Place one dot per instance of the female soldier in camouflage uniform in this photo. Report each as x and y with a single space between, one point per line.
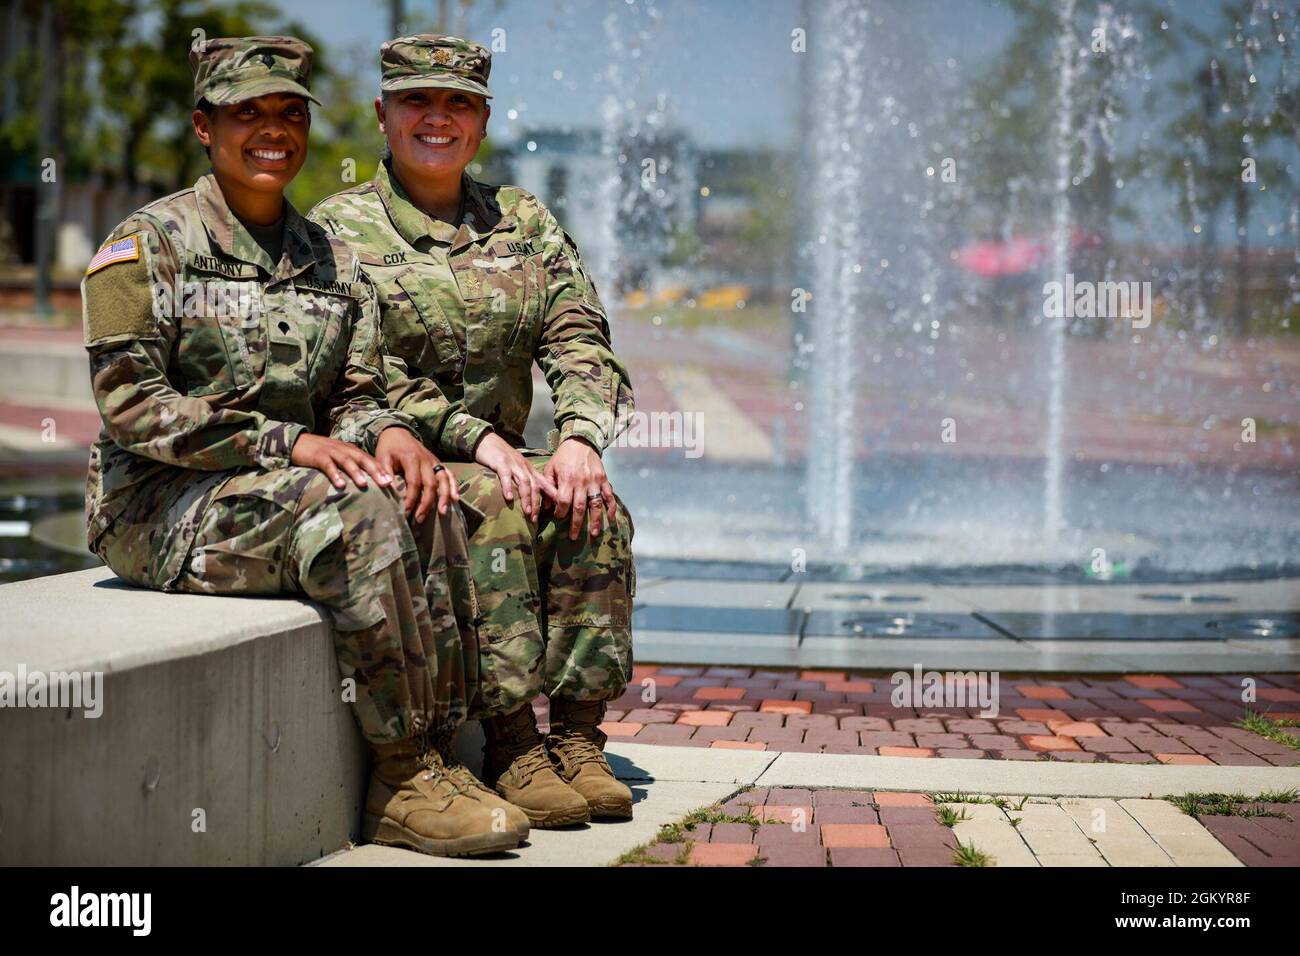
228 337
475 284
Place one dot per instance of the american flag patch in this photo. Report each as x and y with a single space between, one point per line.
124 250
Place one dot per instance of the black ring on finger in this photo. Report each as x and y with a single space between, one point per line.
438 468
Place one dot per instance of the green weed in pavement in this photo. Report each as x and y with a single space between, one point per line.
948 818
960 797
1271 729
1232 804
966 854
680 833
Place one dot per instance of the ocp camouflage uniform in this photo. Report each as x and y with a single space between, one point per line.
190 486
209 360
465 313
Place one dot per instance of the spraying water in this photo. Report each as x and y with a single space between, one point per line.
839 211
1053 473
606 261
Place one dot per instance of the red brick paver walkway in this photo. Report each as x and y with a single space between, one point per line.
1151 718
1260 841
853 828
820 828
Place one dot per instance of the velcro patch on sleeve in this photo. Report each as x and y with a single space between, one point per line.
118 302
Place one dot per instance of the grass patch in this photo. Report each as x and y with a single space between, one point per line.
967 854
948 818
1002 803
1232 804
681 831
640 855
677 832
1270 729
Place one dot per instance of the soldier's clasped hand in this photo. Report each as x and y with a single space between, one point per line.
517 476
427 481
336 459
584 488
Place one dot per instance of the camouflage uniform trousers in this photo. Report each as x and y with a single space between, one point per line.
555 615
400 597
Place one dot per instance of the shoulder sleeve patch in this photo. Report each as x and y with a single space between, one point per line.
126 249
118 302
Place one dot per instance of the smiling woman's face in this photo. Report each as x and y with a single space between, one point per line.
259 144
433 133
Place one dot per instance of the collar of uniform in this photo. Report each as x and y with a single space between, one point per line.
228 234
482 214
411 223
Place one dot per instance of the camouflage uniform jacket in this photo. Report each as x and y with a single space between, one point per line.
206 358
467 311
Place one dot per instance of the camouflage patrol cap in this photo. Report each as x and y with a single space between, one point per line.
429 60
233 69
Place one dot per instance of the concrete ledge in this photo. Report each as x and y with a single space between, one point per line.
225 705
93 621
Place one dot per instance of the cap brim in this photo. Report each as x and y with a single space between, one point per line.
251 89
433 81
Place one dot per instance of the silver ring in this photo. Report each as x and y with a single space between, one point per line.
597 496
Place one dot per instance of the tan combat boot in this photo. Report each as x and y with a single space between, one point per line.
414 802
576 741
484 794
515 761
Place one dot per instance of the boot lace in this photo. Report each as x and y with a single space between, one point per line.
533 761
456 771
463 775
436 772
577 749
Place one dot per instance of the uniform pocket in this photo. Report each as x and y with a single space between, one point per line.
210 355
221 332
510 672
252 529
500 290
417 325
523 338
322 318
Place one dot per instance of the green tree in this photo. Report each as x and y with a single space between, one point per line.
126 92
1007 122
1236 101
